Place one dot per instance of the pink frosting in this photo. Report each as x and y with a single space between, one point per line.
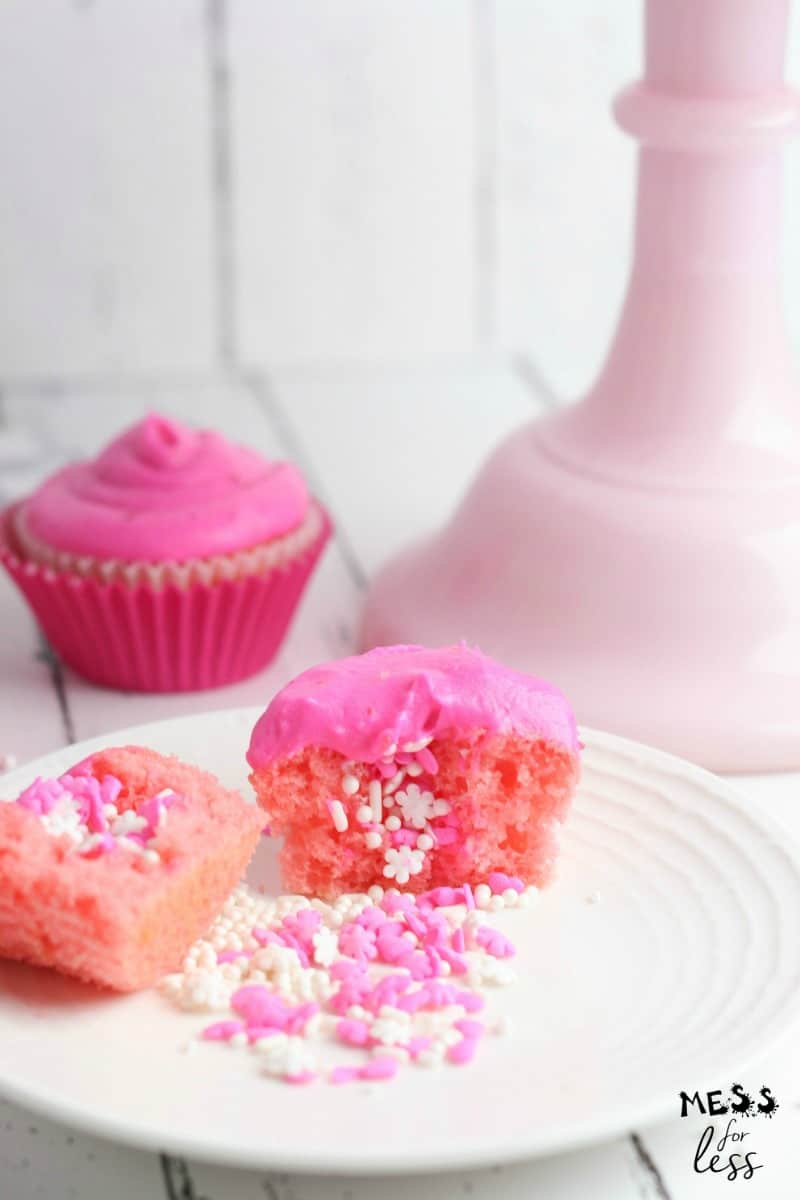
361 706
162 491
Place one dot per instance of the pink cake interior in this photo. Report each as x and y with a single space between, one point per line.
118 919
506 795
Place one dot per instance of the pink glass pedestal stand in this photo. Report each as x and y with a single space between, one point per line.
642 548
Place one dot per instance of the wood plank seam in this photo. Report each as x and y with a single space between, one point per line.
219 84
659 1189
177 1177
534 381
279 418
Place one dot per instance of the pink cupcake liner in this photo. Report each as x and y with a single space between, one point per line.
164 636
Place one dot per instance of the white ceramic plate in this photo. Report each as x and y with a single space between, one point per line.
686 966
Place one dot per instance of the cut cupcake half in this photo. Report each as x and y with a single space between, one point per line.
415 768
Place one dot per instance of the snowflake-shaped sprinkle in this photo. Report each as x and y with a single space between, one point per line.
402 862
418 807
326 946
282 1055
64 818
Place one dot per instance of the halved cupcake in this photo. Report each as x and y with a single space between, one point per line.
111 871
172 561
416 768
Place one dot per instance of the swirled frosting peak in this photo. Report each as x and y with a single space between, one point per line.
164 491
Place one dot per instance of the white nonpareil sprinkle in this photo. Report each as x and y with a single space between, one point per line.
349 785
373 840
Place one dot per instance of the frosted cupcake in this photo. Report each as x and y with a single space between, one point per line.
173 561
415 768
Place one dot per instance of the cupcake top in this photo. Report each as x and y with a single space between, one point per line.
162 491
393 695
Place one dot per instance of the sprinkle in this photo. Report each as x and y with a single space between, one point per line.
394 782
469 898
392 824
338 815
427 760
364 815
425 842
415 747
376 800
414 770
498 882
483 894
373 840
350 785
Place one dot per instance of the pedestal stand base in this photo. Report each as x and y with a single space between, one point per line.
668 614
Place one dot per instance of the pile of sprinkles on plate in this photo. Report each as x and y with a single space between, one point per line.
391 977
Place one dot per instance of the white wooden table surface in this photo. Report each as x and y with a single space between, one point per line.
389 450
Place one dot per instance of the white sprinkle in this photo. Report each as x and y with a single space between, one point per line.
375 893
425 842
413 747
151 856
238 1039
483 895
376 800
392 824
510 898
413 769
394 782
364 815
389 754
373 840
349 785
496 904
338 816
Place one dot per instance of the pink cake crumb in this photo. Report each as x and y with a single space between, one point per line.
106 913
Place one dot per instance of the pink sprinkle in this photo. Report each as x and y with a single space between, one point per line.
220 1031
392 949
259 1006
417 924
494 942
499 882
300 1016
418 965
379 1068
386 770
266 831
403 758
463 1051
404 837
372 916
352 1031
417 1044
342 970
469 898
471 1001
256 1032
443 897
267 937
357 942
396 904
457 964
458 942
343 1074
302 1078
427 760
470 1029
445 835
226 956
304 924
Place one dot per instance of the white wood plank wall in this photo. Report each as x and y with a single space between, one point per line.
213 184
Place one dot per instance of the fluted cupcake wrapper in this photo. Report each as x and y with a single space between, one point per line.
169 638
